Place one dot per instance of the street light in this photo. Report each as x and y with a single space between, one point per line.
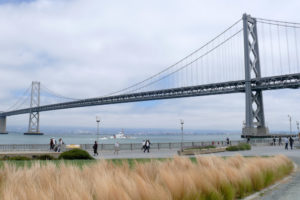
181 122
297 122
98 121
290 118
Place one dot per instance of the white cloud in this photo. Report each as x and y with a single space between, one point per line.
91 48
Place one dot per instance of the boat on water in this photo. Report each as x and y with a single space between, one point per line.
119 135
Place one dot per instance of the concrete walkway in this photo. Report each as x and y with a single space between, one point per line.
288 190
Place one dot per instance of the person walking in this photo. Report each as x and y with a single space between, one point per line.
279 141
147 146
286 141
51 144
274 141
227 141
95 148
291 142
59 145
117 148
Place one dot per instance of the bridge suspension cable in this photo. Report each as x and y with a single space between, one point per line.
21 100
188 64
55 94
279 50
144 83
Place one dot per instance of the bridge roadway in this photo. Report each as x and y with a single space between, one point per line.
265 83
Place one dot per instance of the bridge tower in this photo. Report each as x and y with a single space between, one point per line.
34 117
3 125
255 119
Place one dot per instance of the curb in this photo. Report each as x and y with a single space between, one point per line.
260 193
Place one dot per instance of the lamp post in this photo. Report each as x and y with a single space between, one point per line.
290 118
181 122
98 121
297 123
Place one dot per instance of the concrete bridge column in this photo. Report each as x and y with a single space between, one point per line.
3 125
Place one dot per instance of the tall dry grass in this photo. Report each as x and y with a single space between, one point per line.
209 178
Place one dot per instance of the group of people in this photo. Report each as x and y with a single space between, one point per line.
56 146
146 145
287 141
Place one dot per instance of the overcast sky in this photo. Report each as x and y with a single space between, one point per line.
82 49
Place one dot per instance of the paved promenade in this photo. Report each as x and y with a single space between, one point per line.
288 190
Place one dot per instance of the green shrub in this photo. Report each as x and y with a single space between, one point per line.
200 147
75 154
45 157
239 147
17 158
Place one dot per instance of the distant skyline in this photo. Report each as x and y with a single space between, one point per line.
90 48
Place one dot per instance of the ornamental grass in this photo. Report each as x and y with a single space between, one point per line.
210 177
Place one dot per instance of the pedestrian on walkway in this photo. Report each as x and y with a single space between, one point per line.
95 148
227 141
274 141
286 141
51 144
279 141
147 146
291 142
117 148
60 144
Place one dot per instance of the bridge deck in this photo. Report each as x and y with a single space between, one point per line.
266 83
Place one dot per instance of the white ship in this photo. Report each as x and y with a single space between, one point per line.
119 135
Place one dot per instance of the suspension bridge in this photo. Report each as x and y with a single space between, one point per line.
250 56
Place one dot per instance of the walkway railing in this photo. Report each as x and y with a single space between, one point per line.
108 147
133 146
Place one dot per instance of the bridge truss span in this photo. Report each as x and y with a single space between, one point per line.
266 83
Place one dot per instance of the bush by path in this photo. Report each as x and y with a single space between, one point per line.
239 147
75 154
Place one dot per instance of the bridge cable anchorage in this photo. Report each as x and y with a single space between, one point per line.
20 101
175 64
186 65
55 94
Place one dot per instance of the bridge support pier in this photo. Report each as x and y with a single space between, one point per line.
255 120
34 117
3 125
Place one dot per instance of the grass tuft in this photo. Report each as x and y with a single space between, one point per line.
179 178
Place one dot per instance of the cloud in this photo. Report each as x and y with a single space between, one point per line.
85 49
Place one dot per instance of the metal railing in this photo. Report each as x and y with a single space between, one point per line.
110 147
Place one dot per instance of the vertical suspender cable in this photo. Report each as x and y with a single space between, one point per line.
271 43
264 50
296 48
279 47
197 78
288 49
